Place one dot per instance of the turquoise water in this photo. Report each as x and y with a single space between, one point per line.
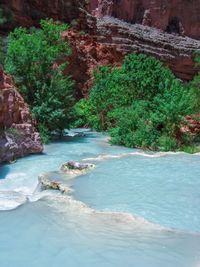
164 190
142 210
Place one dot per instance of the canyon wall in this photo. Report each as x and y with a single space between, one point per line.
88 54
29 12
174 50
153 27
168 30
18 136
173 16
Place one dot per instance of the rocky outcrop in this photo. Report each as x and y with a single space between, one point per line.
74 167
18 136
173 16
176 51
59 180
88 54
168 30
112 39
53 181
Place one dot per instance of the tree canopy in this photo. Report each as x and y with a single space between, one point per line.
31 59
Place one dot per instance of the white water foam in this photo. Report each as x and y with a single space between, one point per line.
14 194
137 153
10 200
64 202
15 190
13 199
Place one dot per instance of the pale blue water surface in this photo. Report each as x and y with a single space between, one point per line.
141 209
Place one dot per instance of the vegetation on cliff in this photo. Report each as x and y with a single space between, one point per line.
141 104
31 59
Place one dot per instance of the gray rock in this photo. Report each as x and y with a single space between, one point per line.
78 166
60 180
53 181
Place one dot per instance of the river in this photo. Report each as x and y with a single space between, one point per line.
136 209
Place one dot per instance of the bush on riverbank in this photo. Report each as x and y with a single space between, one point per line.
141 104
30 59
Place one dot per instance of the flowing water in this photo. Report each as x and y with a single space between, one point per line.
134 209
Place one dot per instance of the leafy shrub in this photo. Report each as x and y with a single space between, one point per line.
142 104
84 115
44 133
31 58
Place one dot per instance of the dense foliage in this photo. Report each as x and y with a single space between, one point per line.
142 104
31 57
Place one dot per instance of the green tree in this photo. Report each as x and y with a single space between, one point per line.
31 59
142 104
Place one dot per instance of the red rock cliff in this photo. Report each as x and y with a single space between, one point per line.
178 16
18 136
162 29
174 50
159 28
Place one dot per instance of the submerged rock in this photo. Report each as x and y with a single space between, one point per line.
78 166
53 181
60 180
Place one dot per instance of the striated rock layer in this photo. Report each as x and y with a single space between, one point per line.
18 136
111 39
176 51
173 16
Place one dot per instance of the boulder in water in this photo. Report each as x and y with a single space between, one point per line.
59 180
51 181
71 166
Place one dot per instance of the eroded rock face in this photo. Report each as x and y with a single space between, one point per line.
88 54
18 136
174 50
173 16
109 40
155 27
